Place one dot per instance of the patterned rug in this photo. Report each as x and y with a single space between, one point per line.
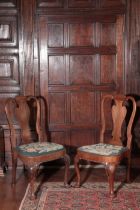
91 196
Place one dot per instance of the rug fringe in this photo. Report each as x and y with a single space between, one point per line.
20 208
41 203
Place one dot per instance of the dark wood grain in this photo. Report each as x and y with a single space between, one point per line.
61 50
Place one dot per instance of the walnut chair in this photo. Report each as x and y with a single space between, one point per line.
111 149
29 145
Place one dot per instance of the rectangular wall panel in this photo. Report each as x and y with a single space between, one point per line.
108 69
9 70
81 34
82 107
8 31
82 3
8 3
57 108
56 70
50 3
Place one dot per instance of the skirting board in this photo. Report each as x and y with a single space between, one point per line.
80 166
71 167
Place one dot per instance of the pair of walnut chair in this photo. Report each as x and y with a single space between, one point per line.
34 149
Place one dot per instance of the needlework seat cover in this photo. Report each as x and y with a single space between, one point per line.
38 148
103 149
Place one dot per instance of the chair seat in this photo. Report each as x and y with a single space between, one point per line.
38 148
103 149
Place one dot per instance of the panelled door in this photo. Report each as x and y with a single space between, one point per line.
80 59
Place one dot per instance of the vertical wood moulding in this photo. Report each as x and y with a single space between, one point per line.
132 58
35 58
43 68
20 45
27 14
120 54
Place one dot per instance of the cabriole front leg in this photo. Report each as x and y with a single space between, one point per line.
128 169
14 168
76 165
32 175
67 164
110 170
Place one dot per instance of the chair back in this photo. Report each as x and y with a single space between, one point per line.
122 109
23 113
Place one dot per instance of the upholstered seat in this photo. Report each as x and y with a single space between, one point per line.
103 149
38 148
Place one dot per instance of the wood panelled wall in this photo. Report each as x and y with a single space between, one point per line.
69 52
132 62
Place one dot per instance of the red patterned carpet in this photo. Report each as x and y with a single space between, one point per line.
53 196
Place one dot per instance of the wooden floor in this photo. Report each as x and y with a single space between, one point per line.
10 198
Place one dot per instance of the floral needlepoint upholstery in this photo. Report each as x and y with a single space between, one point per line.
39 148
103 149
